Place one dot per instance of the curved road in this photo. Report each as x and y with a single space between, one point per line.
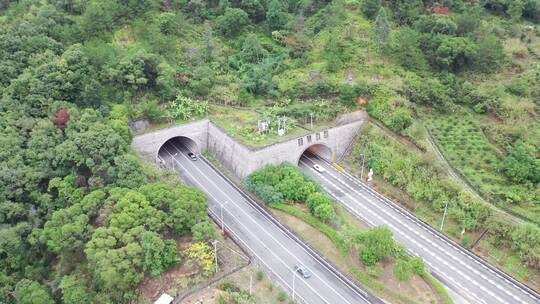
464 273
272 247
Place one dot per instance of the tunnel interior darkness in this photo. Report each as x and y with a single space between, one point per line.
181 143
318 149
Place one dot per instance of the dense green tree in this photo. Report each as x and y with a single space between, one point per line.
378 243
370 7
489 55
521 166
99 17
134 210
254 9
276 17
468 21
137 72
252 50
455 53
381 29
67 231
127 172
403 45
203 231
75 290
406 11
515 9
187 209
232 21
31 292
428 91
116 259
157 255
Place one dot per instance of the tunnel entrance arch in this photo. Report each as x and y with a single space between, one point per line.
320 150
178 144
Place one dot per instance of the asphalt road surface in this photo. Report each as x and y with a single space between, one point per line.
273 248
463 273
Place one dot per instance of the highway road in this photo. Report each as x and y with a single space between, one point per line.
276 250
464 273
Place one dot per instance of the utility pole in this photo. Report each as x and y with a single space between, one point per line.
215 242
250 282
362 170
311 120
444 214
222 222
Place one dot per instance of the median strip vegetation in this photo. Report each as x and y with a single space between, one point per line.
372 255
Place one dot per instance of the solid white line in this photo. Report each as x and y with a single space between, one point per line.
248 232
264 230
397 230
329 170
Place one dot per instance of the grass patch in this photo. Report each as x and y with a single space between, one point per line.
315 223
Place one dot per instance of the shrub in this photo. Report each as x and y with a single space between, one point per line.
368 258
151 110
232 21
259 275
203 231
402 270
282 296
417 266
265 192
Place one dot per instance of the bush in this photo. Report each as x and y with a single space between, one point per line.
418 266
151 110
203 231
259 275
402 270
265 192
232 21
401 119
368 258
282 296
276 184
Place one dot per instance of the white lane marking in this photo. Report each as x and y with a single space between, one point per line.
391 225
249 232
437 257
260 259
409 217
257 224
391 204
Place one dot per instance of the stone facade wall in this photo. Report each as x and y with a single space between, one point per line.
243 160
148 144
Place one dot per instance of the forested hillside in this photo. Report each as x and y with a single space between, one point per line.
83 220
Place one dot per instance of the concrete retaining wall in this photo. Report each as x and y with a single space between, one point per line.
243 160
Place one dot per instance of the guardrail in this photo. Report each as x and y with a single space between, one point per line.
323 261
442 236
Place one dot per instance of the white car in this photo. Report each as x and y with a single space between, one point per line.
319 168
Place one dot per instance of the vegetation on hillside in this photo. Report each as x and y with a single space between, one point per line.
74 73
